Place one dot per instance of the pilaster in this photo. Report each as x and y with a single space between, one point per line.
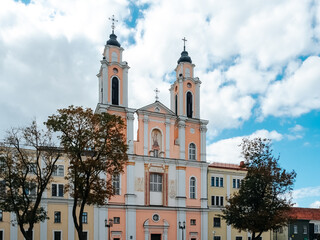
197 98
130 142
125 85
203 131
70 221
43 225
13 227
182 126
145 134
168 125
180 96
104 90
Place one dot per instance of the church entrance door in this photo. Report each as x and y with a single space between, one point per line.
155 236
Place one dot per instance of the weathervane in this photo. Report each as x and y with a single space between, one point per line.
113 20
184 43
157 91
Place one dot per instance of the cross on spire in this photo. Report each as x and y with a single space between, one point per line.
113 20
157 91
184 43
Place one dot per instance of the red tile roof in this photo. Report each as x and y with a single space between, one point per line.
305 213
228 166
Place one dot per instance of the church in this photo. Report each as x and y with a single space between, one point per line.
162 193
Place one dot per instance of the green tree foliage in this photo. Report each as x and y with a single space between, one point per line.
27 161
263 200
95 145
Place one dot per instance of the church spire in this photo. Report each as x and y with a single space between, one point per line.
184 54
113 38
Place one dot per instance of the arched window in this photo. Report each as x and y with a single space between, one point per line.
115 91
192 151
193 187
114 57
176 104
189 105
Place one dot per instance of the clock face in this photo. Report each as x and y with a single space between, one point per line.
115 70
155 217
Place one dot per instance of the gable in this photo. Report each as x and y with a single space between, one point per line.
157 107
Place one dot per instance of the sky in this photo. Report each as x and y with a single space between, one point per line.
258 62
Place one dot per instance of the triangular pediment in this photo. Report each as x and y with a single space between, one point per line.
157 107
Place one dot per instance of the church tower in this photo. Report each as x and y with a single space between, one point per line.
113 74
185 91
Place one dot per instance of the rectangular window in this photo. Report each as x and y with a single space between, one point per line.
57 235
155 182
116 220
1 235
316 228
1 216
31 190
217 181
212 181
238 183
32 168
234 183
57 190
85 235
212 200
221 201
238 238
216 238
57 217
192 221
116 184
295 229
216 222
217 200
84 217
58 171
221 182
305 230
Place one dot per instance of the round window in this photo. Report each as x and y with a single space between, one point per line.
189 85
115 70
156 217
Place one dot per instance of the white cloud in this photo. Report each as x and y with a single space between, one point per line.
306 192
297 94
315 204
229 150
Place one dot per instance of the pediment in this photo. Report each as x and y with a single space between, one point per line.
157 107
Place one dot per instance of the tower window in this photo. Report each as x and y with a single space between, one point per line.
115 91
192 151
116 184
193 187
189 105
114 57
155 182
176 104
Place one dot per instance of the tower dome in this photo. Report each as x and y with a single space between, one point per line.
113 40
184 57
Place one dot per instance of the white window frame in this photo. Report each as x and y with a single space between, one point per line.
119 87
57 189
305 229
155 184
220 178
191 155
86 222
195 187
115 181
295 229
218 201
54 216
33 191
87 231
58 169
53 231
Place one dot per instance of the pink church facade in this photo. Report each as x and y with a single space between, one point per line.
164 183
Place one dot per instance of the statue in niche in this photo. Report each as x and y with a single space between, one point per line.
139 184
172 189
156 138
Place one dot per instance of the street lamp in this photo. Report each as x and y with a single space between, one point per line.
108 226
182 227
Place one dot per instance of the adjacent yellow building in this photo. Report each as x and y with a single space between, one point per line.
224 180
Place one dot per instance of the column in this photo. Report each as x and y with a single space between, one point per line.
203 130
204 225
131 223
197 98
13 227
204 202
100 215
70 221
181 186
125 86
104 81
130 196
182 126
168 123
43 225
130 119
180 97
145 135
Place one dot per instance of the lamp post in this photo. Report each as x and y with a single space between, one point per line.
182 227
108 226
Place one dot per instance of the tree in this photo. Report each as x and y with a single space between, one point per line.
95 146
27 161
262 202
